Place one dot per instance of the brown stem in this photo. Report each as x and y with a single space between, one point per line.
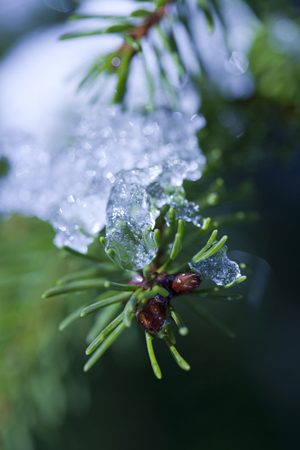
141 31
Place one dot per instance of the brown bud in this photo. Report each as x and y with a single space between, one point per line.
185 283
165 281
153 315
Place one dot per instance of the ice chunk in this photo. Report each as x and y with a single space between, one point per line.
131 215
218 268
69 184
134 205
185 210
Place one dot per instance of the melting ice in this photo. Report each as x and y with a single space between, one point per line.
185 210
218 268
133 206
70 186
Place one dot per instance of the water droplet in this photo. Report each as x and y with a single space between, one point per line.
116 62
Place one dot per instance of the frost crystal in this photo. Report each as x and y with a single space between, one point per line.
69 185
218 268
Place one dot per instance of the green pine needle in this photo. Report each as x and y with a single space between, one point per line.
183 330
103 318
104 334
102 349
93 272
129 308
103 303
176 246
220 288
71 318
76 286
154 364
178 358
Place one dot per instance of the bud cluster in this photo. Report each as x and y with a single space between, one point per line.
155 312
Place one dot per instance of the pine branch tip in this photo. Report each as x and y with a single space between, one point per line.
183 331
158 375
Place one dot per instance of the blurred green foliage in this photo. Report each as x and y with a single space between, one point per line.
35 359
276 67
243 134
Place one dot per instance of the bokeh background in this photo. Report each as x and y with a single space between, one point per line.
240 394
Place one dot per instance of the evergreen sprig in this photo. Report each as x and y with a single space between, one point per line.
159 17
147 296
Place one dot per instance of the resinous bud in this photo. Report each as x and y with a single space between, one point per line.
185 283
153 315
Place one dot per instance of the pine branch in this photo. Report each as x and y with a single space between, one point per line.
149 295
134 29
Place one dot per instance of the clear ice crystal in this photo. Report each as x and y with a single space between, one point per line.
218 268
69 185
185 210
131 216
134 205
